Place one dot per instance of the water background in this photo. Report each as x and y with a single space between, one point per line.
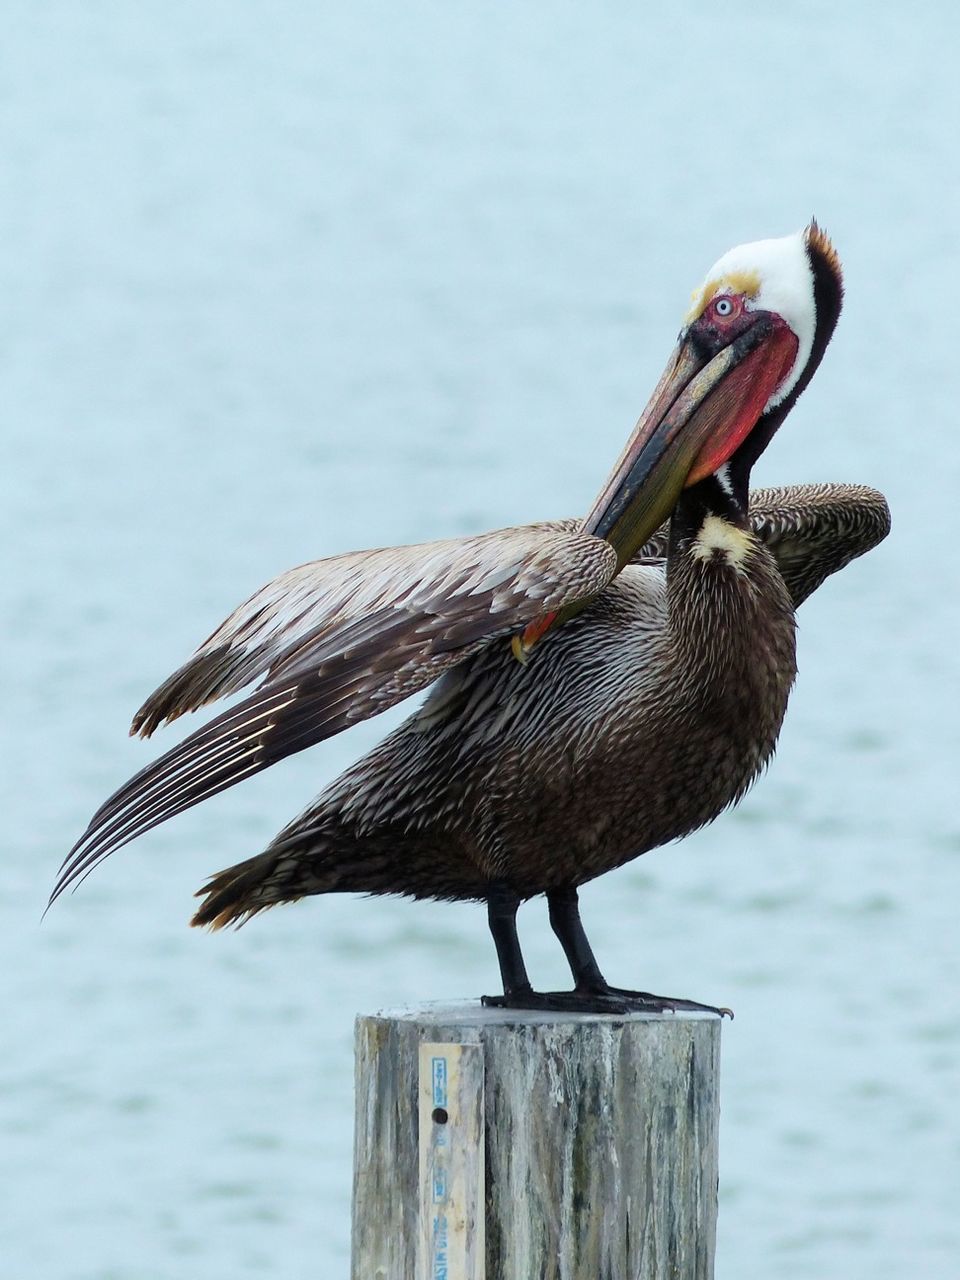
279 280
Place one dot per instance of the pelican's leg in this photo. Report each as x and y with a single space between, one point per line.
502 907
591 987
564 906
592 993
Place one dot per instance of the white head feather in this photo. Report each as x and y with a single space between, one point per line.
773 275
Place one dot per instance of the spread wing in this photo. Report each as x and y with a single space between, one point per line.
812 530
337 641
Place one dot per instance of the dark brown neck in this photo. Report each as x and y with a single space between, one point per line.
730 612
717 495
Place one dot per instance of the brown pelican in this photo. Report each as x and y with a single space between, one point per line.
655 659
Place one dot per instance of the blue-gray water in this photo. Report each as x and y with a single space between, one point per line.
278 280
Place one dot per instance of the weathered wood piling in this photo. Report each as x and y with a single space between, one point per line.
496 1145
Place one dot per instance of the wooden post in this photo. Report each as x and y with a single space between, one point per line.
550 1147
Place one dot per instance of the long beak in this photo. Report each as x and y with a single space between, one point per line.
701 410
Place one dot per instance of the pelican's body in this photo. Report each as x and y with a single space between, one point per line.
549 774
647 712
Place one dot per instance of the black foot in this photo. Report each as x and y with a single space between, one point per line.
612 1000
558 1002
670 1003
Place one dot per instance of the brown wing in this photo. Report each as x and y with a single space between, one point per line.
338 641
812 530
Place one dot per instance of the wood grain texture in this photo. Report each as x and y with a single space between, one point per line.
601 1142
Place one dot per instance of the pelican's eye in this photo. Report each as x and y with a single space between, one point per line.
725 307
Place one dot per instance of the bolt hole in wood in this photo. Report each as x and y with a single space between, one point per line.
439 1115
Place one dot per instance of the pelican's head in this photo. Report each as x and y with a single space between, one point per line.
752 340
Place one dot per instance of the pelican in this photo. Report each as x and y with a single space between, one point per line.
599 687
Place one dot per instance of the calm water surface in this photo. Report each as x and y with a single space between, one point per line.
277 282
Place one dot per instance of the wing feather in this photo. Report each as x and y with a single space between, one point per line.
338 641
492 574
812 530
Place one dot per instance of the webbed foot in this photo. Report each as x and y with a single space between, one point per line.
610 1000
668 1004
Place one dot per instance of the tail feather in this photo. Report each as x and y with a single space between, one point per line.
307 860
235 895
284 872
320 855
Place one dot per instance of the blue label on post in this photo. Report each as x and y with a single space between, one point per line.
441 1245
438 1071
